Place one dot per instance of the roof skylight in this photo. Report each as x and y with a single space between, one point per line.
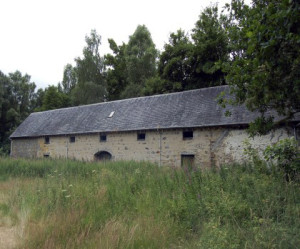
111 114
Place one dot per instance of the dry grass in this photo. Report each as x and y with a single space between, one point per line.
130 205
67 231
12 220
8 237
121 233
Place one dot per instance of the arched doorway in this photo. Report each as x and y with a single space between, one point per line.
102 156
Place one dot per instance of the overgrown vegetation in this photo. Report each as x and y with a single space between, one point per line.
70 204
285 154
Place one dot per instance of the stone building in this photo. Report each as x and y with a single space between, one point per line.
169 129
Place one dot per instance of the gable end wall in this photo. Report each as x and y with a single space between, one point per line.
25 147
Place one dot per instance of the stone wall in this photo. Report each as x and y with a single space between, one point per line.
26 147
164 147
231 146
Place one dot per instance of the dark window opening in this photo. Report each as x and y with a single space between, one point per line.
141 136
187 134
72 139
188 161
47 140
46 155
102 137
102 156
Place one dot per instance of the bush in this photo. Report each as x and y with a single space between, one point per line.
285 154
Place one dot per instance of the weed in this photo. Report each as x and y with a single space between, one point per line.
70 204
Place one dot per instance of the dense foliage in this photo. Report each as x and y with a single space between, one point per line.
69 204
265 69
286 155
17 100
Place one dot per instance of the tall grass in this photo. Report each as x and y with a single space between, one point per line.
70 204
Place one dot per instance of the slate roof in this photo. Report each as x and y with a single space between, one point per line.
195 108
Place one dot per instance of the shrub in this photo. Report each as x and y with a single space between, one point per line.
285 154
254 157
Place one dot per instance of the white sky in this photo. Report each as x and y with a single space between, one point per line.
39 37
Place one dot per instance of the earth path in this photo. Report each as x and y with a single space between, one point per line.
7 237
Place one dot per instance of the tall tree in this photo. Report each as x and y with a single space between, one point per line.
87 93
140 57
17 100
38 102
6 119
117 78
210 49
54 98
69 79
88 72
265 70
23 93
90 68
196 63
174 62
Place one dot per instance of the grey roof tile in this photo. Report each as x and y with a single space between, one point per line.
195 108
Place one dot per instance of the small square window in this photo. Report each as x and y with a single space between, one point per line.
102 137
187 135
188 161
141 136
72 139
47 140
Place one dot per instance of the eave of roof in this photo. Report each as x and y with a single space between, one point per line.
131 130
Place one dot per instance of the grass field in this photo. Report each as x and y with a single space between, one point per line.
70 204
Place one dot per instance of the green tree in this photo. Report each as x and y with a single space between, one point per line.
90 68
38 102
157 85
117 79
210 50
53 98
88 93
69 79
140 57
88 72
174 63
6 121
264 73
17 101
23 93
189 63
